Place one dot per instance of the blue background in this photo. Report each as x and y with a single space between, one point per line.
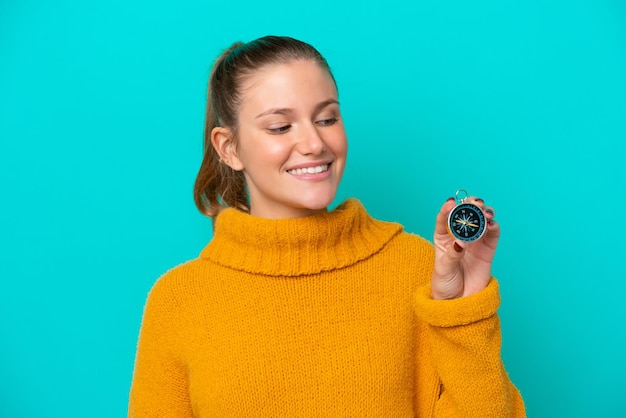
101 117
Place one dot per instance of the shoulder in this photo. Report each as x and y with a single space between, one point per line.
402 243
412 247
176 286
411 244
414 241
409 257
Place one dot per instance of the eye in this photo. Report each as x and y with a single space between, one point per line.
327 122
279 130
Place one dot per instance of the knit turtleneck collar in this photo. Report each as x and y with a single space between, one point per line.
300 246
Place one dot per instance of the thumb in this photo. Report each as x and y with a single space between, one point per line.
447 282
455 252
448 264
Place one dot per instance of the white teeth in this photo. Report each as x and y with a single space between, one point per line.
309 170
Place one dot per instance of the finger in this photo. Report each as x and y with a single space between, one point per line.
453 256
448 264
441 225
490 213
493 233
477 201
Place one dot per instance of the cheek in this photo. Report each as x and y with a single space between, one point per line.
274 151
276 147
339 143
264 151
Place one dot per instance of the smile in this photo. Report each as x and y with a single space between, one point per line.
309 170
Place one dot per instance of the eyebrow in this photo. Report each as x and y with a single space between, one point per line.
285 110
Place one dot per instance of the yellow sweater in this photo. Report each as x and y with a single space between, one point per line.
324 316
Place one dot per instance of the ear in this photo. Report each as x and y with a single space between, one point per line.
224 144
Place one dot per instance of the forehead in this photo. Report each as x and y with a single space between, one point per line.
288 84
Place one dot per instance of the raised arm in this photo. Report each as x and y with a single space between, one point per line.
458 310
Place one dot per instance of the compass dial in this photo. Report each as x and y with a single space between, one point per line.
467 222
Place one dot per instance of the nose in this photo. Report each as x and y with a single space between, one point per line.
310 142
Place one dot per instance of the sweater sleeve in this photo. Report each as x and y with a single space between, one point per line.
465 342
160 386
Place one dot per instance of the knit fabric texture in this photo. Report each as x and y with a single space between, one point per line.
324 316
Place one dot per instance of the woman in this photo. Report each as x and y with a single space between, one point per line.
292 310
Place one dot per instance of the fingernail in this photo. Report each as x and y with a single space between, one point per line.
480 200
457 248
449 199
489 211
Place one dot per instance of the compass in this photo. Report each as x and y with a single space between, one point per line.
466 221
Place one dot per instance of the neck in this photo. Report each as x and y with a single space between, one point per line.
323 241
290 213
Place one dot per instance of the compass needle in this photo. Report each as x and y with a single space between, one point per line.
466 221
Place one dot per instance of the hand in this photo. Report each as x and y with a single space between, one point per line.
461 268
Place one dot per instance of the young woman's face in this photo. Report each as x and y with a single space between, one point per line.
292 143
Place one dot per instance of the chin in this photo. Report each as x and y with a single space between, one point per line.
318 203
